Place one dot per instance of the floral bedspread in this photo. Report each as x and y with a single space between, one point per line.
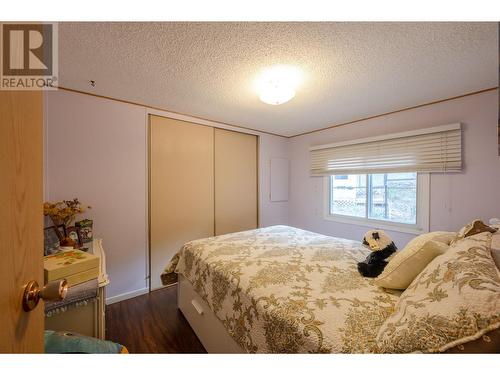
285 290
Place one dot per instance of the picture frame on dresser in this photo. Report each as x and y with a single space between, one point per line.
51 240
72 233
84 229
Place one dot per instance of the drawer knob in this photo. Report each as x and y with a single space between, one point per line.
197 307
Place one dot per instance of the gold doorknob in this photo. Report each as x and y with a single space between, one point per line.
53 291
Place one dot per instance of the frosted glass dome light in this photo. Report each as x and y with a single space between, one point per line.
277 84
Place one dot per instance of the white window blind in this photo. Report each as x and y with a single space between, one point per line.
436 149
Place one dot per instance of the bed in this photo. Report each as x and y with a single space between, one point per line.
282 290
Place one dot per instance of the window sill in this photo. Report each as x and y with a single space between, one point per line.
377 224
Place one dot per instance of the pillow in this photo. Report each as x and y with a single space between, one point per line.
495 245
408 263
474 227
401 257
440 236
486 344
454 300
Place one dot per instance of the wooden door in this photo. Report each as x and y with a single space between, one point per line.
21 223
235 182
181 188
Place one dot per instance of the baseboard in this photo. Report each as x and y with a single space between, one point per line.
164 286
128 295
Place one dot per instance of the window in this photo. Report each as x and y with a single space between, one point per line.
397 201
341 177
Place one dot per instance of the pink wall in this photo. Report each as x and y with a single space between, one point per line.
95 149
455 198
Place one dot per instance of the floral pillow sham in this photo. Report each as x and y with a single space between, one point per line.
454 300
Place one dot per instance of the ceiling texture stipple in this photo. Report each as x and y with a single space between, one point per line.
350 70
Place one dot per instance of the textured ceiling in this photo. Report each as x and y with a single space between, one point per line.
351 70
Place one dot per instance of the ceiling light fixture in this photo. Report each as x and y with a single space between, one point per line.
277 84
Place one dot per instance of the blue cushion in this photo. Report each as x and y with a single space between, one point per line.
68 342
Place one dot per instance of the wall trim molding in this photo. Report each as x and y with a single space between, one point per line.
127 295
396 111
177 115
201 120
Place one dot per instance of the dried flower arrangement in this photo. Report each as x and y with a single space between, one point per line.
63 213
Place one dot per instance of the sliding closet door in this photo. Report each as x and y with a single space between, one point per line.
235 181
181 204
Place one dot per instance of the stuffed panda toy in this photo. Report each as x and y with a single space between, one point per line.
382 247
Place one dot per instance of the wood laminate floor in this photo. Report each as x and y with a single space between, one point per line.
151 323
